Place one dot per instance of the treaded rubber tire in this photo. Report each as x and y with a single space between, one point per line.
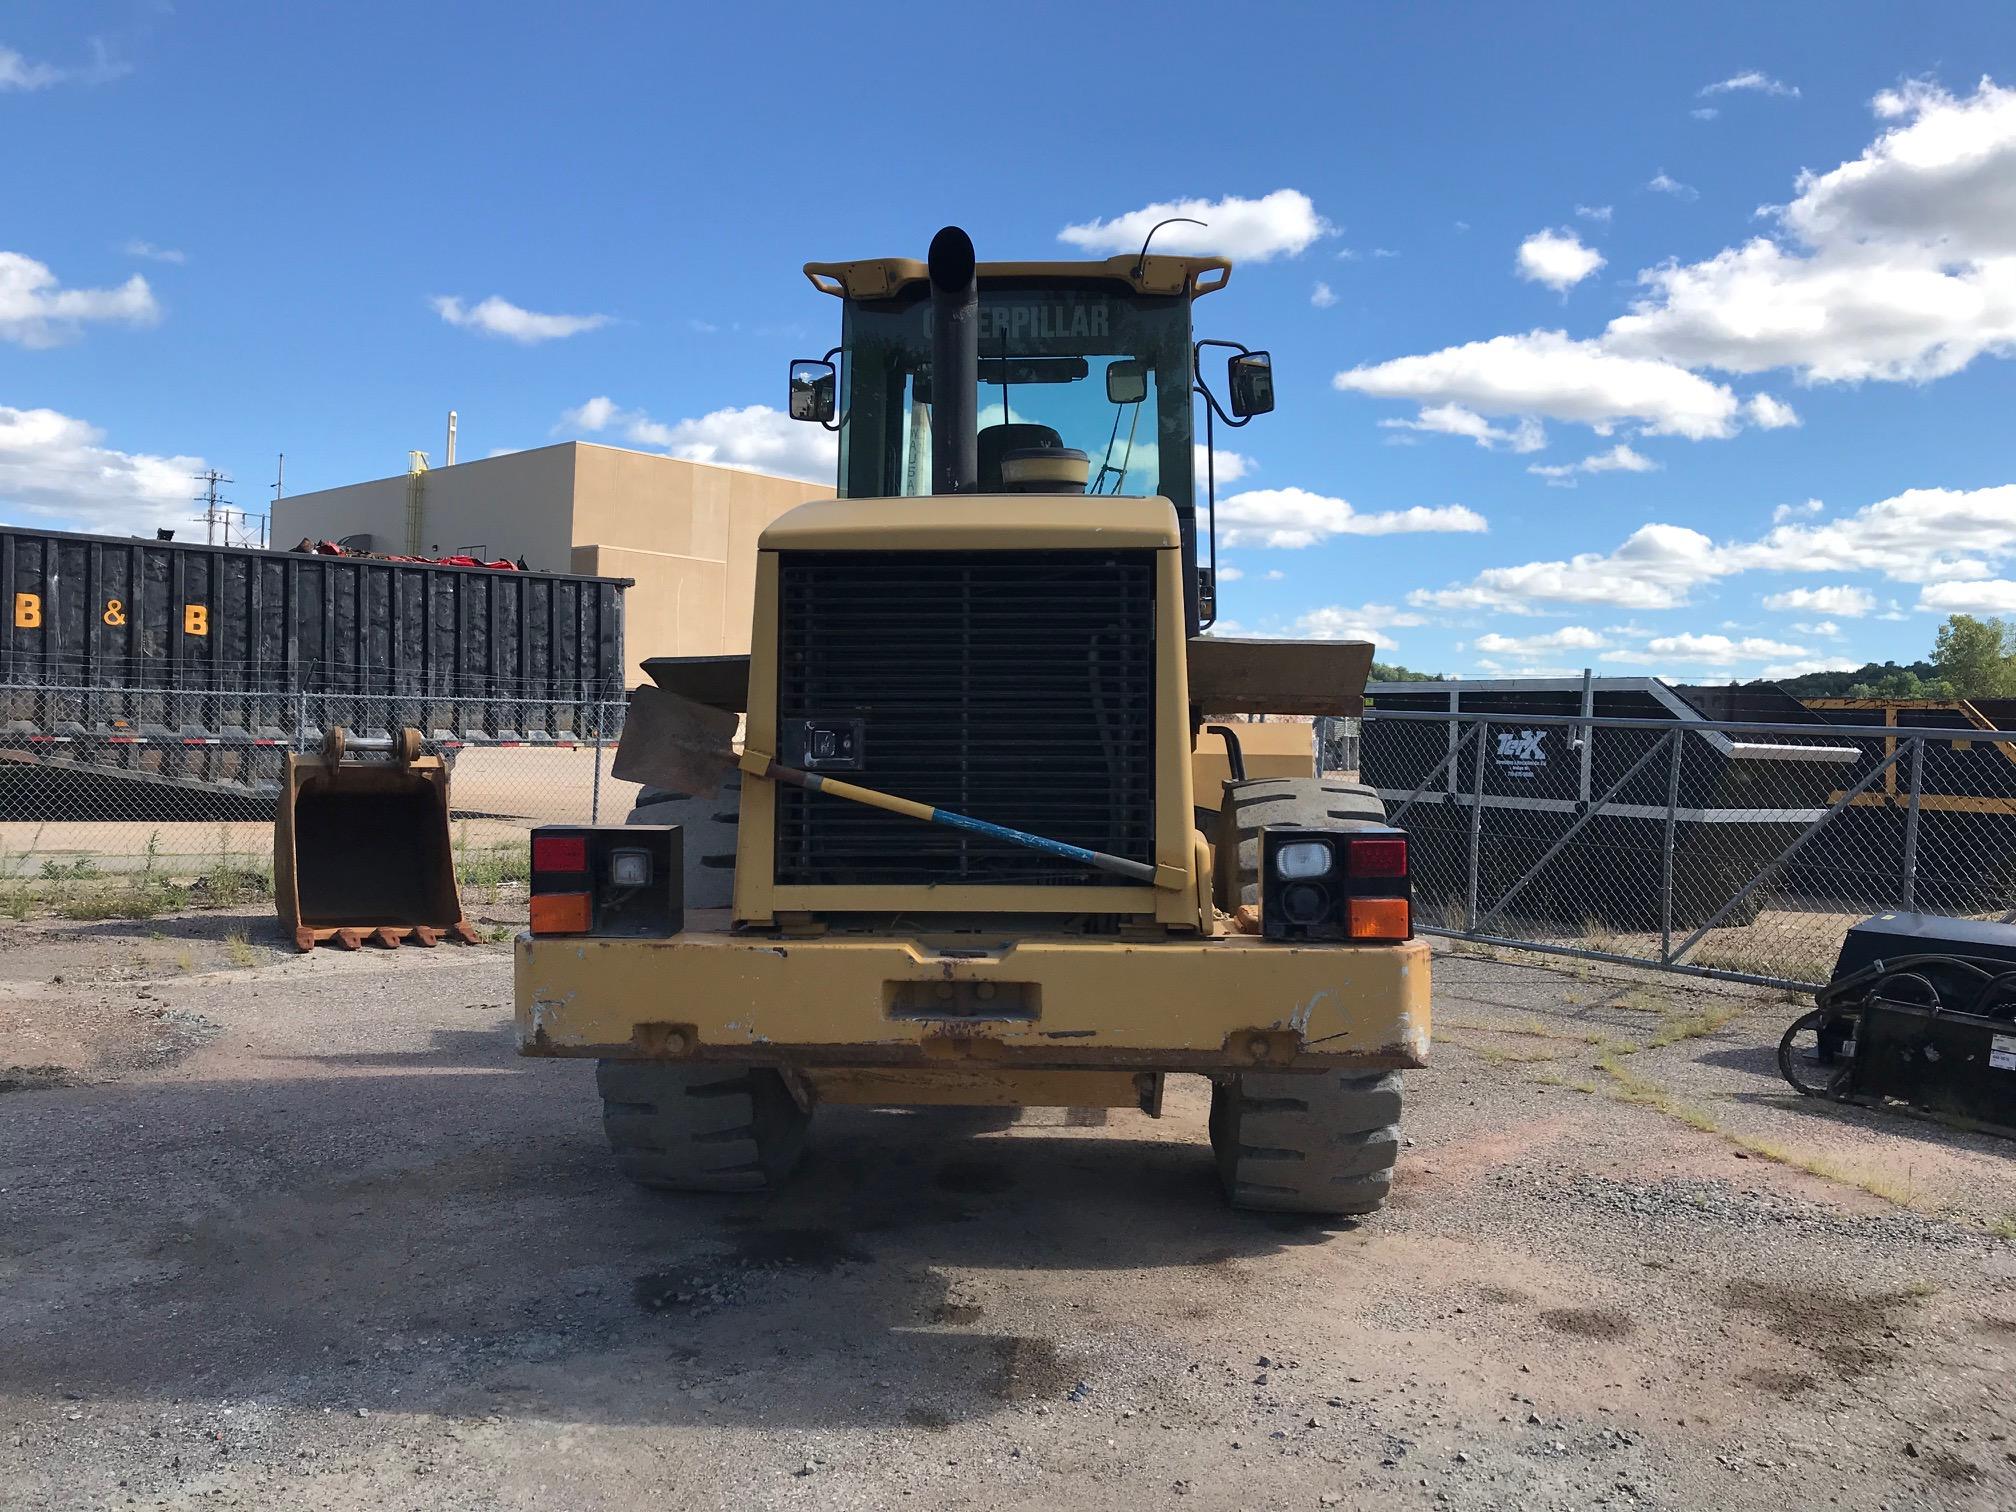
1250 806
700 1128
708 829
1308 1142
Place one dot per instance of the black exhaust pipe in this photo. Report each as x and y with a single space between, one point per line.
955 364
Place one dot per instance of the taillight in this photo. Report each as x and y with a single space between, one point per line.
562 913
1335 884
559 853
618 879
1376 858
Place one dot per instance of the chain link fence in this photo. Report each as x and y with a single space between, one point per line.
1736 850
132 810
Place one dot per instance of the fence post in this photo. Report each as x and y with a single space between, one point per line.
1666 860
595 789
1476 821
1910 899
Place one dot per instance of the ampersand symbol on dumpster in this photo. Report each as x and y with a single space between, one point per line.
115 612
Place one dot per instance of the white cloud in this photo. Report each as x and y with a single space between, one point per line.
1767 413
19 74
499 317
1598 213
592 415
1557 259
1823 628
1710 650
1898 265
1294 517
1663 182
1704 112
1384 252
1229 574
1549 374
1654 569
1925 535
755 438
1846 601
1620 458
56 471
1454 420
153 253
1231 466
1984 596
1836 663
1752 81
36 311
1367 622
1567 638
1322 296
1786 512
1283 223
1921 535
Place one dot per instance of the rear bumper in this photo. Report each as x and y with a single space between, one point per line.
1039 1002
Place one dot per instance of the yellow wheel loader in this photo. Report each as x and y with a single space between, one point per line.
969 860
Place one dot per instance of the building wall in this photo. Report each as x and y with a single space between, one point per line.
511 505
685 531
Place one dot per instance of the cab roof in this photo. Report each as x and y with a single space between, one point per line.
1157 273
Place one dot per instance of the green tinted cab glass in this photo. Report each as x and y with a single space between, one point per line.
1045 352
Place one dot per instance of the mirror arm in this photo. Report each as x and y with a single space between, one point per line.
834 423
1204 388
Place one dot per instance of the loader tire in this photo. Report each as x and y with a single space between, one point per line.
1307 1142
708 828
700 1128
1250 806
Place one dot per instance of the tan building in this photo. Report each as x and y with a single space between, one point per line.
685 531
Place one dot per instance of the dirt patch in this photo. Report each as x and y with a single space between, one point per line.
1026 1368
1851 1331
1587 1322
36 1078
931 1419
973 1178
63 1039
816 1249
1503 1296
957 1314
1783 1383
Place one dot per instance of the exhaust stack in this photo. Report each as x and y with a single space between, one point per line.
955 364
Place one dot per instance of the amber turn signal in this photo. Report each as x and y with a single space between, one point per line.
562 913
1375 919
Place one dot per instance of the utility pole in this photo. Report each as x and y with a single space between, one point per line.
210 502
279 493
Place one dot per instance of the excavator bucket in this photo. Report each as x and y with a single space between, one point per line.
361 846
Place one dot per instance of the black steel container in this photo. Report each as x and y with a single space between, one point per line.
1966 854
118 653
1740 802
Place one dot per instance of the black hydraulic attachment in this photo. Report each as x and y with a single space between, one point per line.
1921 1011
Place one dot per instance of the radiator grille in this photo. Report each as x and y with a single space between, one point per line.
1016 687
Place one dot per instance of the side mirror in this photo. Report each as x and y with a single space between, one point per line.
1126 381
1250 382
815 390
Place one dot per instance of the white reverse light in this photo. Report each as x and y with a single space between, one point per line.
1303 858
630 868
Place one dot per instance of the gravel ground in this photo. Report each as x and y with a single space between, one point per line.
301 1231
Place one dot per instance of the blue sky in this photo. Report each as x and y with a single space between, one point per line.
1629 247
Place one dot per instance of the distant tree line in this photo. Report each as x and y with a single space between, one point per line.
1971 658
1389 672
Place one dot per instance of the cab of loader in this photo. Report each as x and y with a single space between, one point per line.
1086 373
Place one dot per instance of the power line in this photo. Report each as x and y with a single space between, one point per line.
210 502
